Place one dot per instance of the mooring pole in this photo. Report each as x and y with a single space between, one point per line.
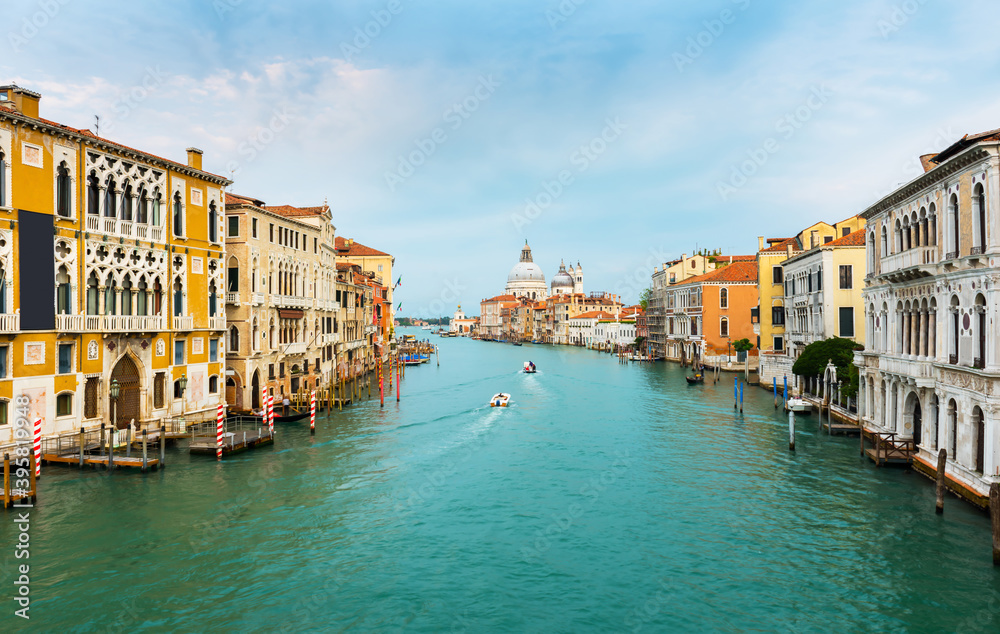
939 505
741 398
163 446
145 458
736 392
774 385
791 430
111 448
784 396
83 437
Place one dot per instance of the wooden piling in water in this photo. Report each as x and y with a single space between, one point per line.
111 448
145 455
163 446
83 436
942 463
6 480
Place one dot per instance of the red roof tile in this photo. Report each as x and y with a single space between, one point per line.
735 272
855 239
356 248
288 210
782 246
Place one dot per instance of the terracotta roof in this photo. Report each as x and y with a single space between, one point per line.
501 298
735 272
599 314
288 210
964 142
356 248
346 266
854 239
783 246
236 199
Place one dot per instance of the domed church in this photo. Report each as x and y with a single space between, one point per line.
526 278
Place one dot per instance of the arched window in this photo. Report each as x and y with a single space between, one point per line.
3 179
953 428
255 336
110 198
110 305
143 210
63 191
92 294
178 297
63 304
980 320
270 334
953 217
932 225
213 223
980 201
979 429
213 300
127 202
871 253
213 384
233 276
178 215
234 339
724 298
93 195
956 325
723 327
885 242
141 304
897 238
157 297
127 295
156 201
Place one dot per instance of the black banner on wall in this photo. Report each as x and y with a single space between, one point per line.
36 277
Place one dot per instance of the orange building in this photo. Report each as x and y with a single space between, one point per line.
706 313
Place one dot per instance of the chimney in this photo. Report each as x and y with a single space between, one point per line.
760 243
925 162
194 157
24 100
788 250
812 238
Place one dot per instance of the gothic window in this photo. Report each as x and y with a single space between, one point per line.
213 223
178 297
127 203
980 223
141 304
63 304
63 190
110 198
953 216
157 297
127 295
109 296
143 211
178 217
213 300
93 195
157 202
92 294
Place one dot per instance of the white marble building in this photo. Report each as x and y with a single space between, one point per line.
931 370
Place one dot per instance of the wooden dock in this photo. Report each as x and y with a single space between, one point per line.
886 448
97 460
14 494
838 428
239 434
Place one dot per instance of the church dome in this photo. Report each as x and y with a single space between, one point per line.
526 272
562 280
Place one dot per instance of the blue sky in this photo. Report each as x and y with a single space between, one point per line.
670 125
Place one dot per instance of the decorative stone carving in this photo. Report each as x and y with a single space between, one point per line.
93 351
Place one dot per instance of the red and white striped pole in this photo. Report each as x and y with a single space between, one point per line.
270 415
399 376
312 412
381 386
38 447
263 404
220 415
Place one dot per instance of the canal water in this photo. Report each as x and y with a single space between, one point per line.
606 498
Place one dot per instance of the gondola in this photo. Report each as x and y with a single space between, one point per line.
692 380
294 416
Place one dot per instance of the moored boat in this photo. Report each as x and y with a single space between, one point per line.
798 405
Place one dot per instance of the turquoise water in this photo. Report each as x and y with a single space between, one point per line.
607 498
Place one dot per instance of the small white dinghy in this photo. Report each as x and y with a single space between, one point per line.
500 400
529 367
798 405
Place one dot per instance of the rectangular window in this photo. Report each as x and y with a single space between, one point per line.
270 371
65 358
179 352
777 274
296 239
281 370
178 391
316 248
827 239
778 315
90 397
213 350
159 387
846 231
3 413
271 233
846 276
819 280
847 322
723 328
234 226
4 350
253 227
779 344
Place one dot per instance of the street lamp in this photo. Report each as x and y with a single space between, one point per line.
183 382
115 391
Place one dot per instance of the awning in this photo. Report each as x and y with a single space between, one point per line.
290 313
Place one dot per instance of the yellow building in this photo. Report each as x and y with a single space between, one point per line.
111 261
769 318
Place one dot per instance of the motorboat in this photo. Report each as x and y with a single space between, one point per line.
529 367
500 400
798 405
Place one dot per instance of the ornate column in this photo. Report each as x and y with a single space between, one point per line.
135 294
932 329
915 328
101 299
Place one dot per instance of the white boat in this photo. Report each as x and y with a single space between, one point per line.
427 328
529 367
798 405
500 400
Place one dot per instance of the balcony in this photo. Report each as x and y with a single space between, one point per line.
114 323
217 323
329 338
256 299
909 264
184 322
351 312
124 228
291 301
233 299
10 322
299 347
71 323
920 369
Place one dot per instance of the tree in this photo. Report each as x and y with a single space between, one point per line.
644 298
812 362
638 342
744 345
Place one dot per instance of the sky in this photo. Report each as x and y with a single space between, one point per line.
615 134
